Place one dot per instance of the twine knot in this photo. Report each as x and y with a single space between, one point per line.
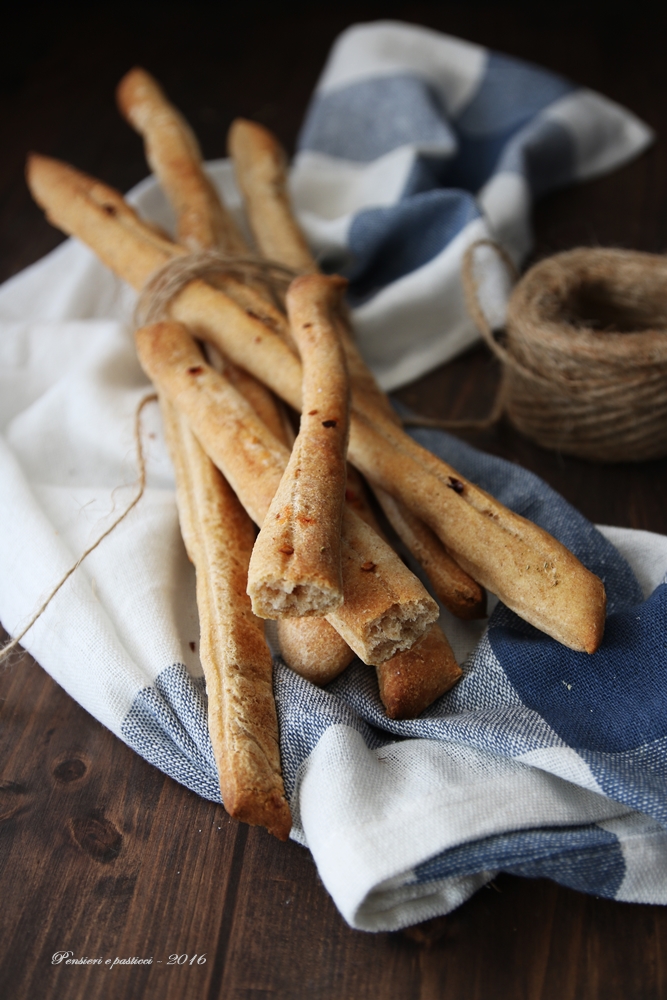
167 281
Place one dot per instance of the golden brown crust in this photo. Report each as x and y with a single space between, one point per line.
528 569
454 588
173 154
533 573
99 216
412 681
225 424
280 232
385 607
202 219
236 660
261 175
295 569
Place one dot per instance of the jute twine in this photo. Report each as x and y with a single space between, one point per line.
165 283
153 305
141 486
584 353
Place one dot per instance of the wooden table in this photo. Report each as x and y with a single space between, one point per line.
99 852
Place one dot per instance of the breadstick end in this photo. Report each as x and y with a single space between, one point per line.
394 631
314 285
245 134
38 170
129 90
584 631
272 812
414 679
466 606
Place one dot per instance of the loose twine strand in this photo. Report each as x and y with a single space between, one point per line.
141 486
583 353
471 294
153 305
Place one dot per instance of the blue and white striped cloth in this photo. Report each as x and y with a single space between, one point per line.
541 762
415 145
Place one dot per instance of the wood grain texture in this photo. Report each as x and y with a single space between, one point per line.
99 852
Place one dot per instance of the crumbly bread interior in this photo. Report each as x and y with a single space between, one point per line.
275 598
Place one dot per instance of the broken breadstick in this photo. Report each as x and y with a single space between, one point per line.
278 233
295 568
537 564
237 663
385 607
529 570
311 646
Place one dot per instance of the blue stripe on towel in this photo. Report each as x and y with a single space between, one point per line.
611 701
586 858
365 120
167 725
510 93
497 130
387 243
634 777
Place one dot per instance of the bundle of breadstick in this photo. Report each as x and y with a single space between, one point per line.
320 564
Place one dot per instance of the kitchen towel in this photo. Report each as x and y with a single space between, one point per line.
541 761
415 145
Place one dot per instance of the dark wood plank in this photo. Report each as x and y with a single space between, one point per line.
99 852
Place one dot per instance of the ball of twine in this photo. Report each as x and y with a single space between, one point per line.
584 352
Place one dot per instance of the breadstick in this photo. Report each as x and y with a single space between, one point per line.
218 533
99 216
385 608
357 498
173 154
529 570
295 568
311 646
278 235
261 175
537 564
452 586
412 681
202 221
237 663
